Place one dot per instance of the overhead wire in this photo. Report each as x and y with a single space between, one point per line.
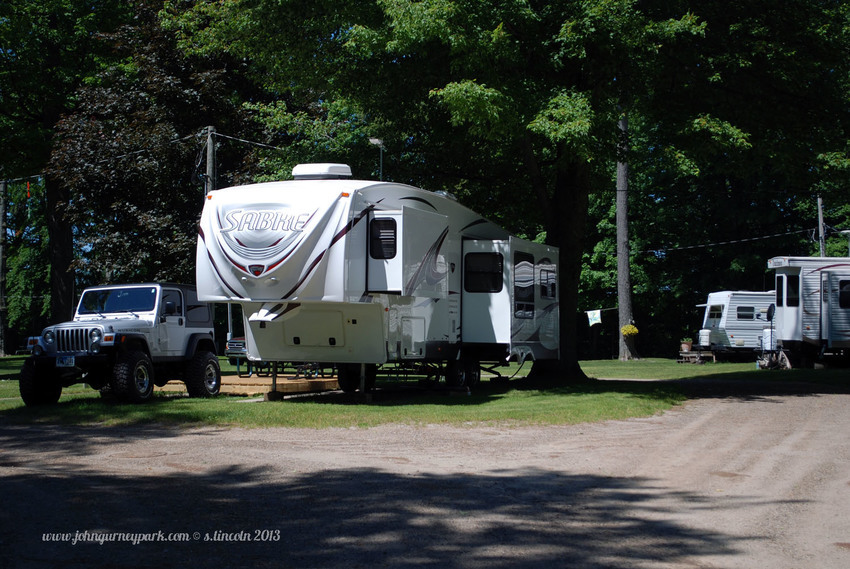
718 243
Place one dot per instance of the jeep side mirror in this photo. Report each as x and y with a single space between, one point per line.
170 308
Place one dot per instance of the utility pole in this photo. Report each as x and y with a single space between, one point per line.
3 308
209 181
821 238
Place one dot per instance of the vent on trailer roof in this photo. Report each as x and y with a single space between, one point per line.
321 171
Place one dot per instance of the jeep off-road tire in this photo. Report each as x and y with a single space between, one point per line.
36 387
132 377
203 375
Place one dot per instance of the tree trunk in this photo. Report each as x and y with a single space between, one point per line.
3 253
624 281
565 215
61 251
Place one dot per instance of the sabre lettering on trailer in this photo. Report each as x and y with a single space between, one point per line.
264 220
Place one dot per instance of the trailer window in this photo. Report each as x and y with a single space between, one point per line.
780 290
548 287
792 292
715 312
382 238
844 294
746 313
482 272
523 285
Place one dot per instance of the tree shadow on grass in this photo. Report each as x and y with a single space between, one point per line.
331 518
735 385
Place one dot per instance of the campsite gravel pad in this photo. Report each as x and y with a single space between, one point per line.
738 477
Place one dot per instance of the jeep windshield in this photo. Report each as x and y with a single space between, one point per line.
131 300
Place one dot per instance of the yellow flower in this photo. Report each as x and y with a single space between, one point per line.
629 330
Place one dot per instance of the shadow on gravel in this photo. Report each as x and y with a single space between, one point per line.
338 518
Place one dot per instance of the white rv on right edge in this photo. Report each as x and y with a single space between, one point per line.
812 316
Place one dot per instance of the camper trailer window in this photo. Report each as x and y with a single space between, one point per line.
715 312
844 294
746 313
482 272
548 289
382 238
523 285
780 290
792 293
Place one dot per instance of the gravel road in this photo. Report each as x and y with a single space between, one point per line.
736 478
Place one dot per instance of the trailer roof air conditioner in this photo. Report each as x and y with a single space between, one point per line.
321 171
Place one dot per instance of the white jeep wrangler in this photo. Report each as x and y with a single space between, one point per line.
125 339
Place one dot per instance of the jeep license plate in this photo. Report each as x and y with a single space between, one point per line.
65 361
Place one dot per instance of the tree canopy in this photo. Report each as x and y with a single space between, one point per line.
738 119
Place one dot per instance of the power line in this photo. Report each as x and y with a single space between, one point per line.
24 178
143 150
260 144
732 242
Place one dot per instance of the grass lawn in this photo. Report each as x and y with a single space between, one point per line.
520 402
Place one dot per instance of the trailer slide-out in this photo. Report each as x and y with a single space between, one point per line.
362 273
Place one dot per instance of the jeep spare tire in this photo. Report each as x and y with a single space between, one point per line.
203 375
132 377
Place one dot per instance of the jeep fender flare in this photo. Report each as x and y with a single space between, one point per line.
130 342
200 342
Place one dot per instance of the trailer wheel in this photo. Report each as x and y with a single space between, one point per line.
132 377
348 377
37 388
463 373
203 375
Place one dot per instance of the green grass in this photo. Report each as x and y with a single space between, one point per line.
521 402
657 368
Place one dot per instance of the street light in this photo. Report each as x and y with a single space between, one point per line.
380 144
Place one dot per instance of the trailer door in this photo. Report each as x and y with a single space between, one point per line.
837 307
486 297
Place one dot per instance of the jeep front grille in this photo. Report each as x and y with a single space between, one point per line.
72 339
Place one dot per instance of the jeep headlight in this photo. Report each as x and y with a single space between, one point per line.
95 335
49 336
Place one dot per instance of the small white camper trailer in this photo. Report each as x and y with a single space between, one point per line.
734 322
812 319
360 273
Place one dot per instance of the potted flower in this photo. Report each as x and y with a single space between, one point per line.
629 330
687 344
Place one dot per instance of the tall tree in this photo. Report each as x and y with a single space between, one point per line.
47 49
624 279
127 155
750 124
514 100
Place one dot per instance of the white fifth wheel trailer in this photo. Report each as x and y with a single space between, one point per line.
734 322
361 273
812 318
